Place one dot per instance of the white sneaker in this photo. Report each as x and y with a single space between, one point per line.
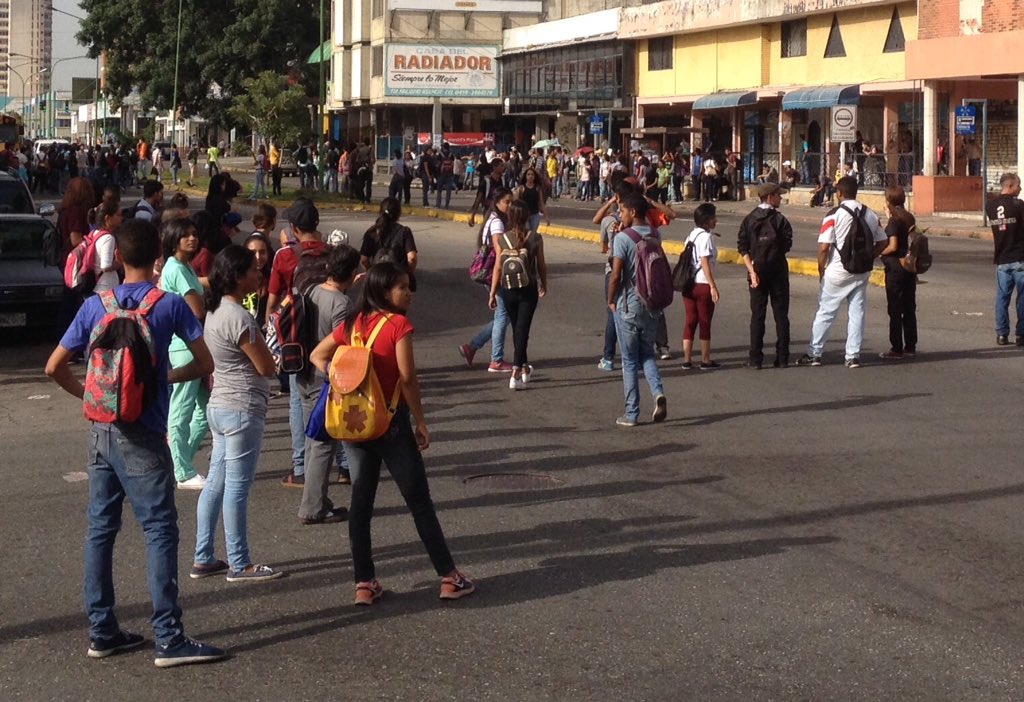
525 375
515 383
196 482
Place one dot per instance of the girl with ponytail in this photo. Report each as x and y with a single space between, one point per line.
387 240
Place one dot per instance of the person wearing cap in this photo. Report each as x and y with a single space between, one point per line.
303 219
765 237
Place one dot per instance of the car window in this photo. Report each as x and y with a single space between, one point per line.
14 198
22 239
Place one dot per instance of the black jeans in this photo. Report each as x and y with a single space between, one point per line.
773 287
275 179
397 449
521 304
901 302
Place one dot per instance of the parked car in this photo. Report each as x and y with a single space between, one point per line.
288 167
30 291
42 145
165 150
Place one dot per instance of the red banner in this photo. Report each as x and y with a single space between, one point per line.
458 138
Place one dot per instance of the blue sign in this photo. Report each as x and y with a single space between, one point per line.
966 124
596 124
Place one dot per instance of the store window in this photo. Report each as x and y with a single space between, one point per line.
377 60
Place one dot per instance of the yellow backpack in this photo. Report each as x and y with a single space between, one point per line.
356 409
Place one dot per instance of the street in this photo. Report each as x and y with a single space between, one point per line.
807 533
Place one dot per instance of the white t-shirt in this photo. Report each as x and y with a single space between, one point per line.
834 230
703 245
105 246
494 227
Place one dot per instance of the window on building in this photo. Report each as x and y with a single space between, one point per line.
377 8
894 40
659 54
794 38
377 60
834 48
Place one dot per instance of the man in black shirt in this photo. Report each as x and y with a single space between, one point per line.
765 238
1006 214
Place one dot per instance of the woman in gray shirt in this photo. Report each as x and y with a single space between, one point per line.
236 412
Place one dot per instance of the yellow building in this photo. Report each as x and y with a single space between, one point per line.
761 78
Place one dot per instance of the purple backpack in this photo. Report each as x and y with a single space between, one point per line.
653 272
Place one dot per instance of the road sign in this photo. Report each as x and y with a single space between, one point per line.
596 124
966 124
844 123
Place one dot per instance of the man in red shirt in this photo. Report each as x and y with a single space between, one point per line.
303 218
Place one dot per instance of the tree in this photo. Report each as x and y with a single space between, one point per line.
271 107
223 43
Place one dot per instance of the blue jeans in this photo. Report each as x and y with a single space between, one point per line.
636 332
534 222
556 186
260 188
610 337
853 291
1009 278
331 180
446 183
131 461
236 450
297 427
493 332
398 451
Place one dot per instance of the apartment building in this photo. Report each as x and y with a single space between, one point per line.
26 48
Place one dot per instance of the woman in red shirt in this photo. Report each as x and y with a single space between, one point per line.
386 293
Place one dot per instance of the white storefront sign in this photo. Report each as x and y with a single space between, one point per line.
415 70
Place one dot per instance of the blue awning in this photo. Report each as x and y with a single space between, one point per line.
725 99
821 96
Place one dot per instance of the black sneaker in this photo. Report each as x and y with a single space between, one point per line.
123 641
780 363
660 409
687 365
205 570
853 362
752 365
1003 340
184 651
710 365
806 360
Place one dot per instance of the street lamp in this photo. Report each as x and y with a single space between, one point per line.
51 126
9 67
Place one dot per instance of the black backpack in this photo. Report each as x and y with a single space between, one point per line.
684 275
765 247
918 260
858 250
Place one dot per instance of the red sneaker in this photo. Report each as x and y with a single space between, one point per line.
467 352
368 592
455 586
499 367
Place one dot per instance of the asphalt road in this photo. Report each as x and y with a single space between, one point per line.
809 533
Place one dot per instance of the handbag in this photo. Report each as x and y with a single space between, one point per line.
482 267
316 427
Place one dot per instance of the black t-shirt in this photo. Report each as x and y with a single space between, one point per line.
1006 214
531 196
399 241
900 228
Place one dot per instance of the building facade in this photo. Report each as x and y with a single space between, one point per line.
762 78
405 72
26 48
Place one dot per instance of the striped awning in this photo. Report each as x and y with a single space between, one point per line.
821 96
725 99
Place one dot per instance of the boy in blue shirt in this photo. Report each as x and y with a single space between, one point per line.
132 460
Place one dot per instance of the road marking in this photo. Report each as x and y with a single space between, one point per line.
39 397
75 476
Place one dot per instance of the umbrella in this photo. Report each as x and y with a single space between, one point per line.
584 150
545 143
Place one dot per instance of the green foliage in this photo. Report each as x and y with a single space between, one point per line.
271 107
241 147
223 42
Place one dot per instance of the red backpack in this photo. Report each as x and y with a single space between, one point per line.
121 380
80 266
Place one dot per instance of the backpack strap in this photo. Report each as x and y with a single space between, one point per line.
109 301
150 299
376 330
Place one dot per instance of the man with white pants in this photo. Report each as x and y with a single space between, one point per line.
838 285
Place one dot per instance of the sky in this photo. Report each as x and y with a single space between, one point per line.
66 46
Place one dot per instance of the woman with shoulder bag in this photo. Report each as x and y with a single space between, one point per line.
491 230
386 296
520 301
701 300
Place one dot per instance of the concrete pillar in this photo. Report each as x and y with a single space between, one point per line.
696 138
785 138
891 131
930 139
1020 122
436 125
